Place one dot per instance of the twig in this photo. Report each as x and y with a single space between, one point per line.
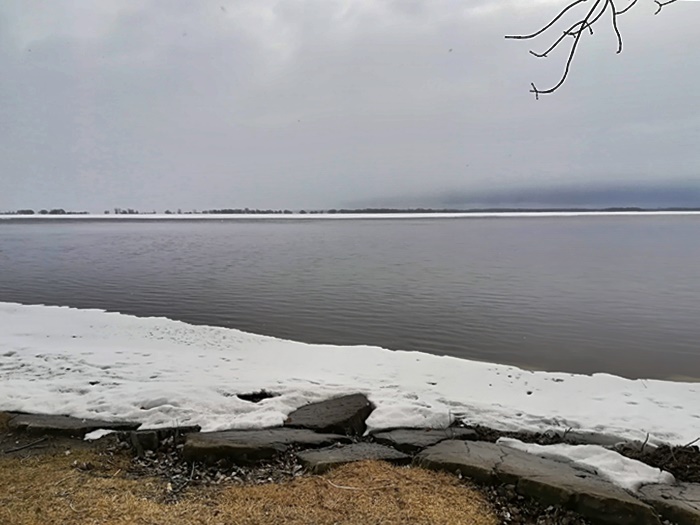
566 433
626 8
64 479
554 21
586 24
692 442
645 443
615 28
662 4
577 39
28 445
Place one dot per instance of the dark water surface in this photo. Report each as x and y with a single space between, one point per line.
578 294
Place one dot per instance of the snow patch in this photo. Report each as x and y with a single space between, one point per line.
97 434
624 472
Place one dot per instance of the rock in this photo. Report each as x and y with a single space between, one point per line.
319 461
413 440
176 432
256 397
474 460
64 425
341 415
244 447
548 481
144 440
677 503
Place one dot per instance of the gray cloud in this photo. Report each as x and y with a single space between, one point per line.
322 103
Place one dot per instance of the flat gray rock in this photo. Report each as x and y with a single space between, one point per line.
251 446
319 461
413 440
340 415
547 481
64 425
677 503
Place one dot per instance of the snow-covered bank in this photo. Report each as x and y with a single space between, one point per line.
89 363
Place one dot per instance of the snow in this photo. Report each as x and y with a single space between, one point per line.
160 372
608 464
97 434
336 216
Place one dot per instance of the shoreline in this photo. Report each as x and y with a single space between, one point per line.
339 216
90 363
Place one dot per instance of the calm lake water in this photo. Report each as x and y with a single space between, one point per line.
577 294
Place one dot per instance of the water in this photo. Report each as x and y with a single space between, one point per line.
578 294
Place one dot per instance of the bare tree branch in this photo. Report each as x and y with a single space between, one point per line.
576 30
588 24
554 21
616 29
626 8
662 4
572 52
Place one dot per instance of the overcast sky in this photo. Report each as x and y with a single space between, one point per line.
156 104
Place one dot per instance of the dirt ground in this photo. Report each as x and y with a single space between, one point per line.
66 482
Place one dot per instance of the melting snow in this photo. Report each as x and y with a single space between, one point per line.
94 364
608 464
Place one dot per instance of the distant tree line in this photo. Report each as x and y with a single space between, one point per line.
246 211
341 211
54 211
130 211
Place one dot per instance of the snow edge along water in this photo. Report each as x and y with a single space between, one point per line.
161 372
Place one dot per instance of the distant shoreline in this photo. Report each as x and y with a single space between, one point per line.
347 216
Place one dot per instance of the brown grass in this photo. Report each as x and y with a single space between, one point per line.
55 488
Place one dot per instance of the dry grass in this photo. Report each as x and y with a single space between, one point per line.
49 489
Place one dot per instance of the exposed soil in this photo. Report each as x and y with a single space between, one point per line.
509 507
514 509
682 462
541 438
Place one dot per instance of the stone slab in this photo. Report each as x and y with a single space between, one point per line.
64 425
413 440
677 503
246 447
319 461
340 415
548 481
